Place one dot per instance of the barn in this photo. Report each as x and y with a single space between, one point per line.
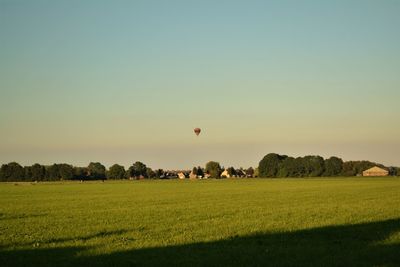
375 171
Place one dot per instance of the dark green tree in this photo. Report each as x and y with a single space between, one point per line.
213 168
28 173
66 171
288 168
200 171
12 172
270 164
333 166
314 166
150 173
392 171
137 170
96 170
38 172
231 171
348 169
116 172
159 173
53 173
80 173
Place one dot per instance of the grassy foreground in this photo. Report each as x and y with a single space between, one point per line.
245 222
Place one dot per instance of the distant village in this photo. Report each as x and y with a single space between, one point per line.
191 174
271 166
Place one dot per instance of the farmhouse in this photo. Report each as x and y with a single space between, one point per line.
375 171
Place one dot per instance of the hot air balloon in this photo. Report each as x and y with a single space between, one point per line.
197 131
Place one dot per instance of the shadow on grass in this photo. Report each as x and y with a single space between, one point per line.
348 245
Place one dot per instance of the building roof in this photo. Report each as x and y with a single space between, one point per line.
376 169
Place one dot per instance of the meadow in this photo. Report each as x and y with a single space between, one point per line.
227 222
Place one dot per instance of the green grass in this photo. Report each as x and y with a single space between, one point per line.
243 222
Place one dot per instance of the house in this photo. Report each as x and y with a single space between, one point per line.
181 175
225 174
240 173
375 171
192 175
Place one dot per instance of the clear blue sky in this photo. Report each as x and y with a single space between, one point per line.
120 81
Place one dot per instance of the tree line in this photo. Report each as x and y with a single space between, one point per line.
272 165
94 171
275 165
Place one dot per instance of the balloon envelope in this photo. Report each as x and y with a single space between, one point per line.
197 131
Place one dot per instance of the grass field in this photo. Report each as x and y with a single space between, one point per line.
243 222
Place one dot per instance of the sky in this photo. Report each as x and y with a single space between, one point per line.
126 81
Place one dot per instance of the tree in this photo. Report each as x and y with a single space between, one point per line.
392 171
96 170
333 166
52 172
314 166
116 172
194 171
288 168
160 173
231 171
12 172
250 172
66 171
270 164
38 172
200 172
137 170
80 173
214 169
150 173
28 173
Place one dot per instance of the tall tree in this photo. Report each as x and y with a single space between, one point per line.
314 166
200 171
231 171
80 173
96 170
66 171
270 164
116 172
12 172
138 169
52 172
28 173
38 172
214 169
333 166
288 168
